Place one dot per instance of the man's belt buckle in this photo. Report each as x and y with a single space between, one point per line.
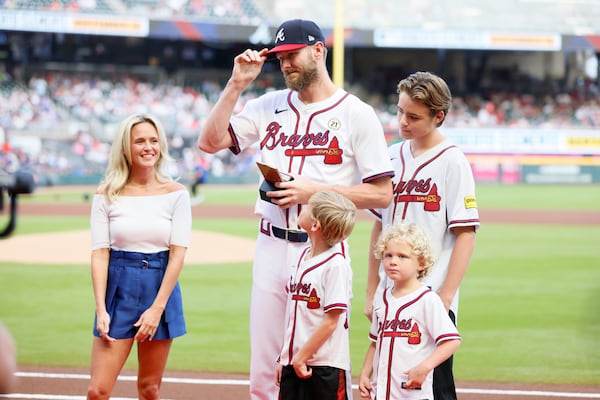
289 233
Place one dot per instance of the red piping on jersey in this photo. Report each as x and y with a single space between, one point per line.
378 176
289 99
344 249
423 165
393 338
295 110
340 306
376 213
235 147
442 338
291 345
297 113
463 222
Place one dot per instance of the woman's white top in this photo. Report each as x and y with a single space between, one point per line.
146 224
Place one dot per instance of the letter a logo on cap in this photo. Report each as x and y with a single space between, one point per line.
280 36
296 34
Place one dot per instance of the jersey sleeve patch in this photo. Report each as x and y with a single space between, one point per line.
470 202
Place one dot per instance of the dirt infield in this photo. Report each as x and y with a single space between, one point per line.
218 211
59 248
67 383
71 384
73 247
228 211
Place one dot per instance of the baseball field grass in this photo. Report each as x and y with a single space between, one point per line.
529 310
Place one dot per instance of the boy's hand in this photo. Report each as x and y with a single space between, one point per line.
364 387
302 370
278 369
416 377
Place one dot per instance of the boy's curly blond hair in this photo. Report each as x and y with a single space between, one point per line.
414 236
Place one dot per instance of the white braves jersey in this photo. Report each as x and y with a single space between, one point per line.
406 330
435 190
338 141
319 285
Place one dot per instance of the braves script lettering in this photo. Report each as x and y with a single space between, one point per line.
300 288
418 191
419 186
401 329
275 137
303 292
395 325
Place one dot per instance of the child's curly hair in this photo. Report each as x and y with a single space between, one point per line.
414 236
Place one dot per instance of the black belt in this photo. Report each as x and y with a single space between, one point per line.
291 235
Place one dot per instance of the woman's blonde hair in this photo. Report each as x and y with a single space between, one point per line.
335 213
411 234
118 169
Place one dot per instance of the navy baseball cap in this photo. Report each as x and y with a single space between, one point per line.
296 34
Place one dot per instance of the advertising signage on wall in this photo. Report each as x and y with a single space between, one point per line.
465 39
511 155
87 24
526 141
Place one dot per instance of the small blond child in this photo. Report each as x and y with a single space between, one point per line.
315 359
411 332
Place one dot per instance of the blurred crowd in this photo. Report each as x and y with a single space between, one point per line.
424 14
234 11
49 103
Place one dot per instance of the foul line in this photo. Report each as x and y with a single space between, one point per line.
244 382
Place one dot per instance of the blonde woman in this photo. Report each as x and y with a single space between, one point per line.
140 226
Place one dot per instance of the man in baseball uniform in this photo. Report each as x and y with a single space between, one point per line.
318 133
433 187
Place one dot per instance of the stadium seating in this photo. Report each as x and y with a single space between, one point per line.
565 17
75 114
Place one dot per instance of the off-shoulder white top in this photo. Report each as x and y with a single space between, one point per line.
146 224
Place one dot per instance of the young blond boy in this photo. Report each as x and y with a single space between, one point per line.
315 358
411 332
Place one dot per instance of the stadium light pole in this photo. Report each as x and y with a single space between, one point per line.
338 44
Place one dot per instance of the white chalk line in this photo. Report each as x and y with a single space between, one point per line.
244 382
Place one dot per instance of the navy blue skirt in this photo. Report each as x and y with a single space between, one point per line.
133 282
